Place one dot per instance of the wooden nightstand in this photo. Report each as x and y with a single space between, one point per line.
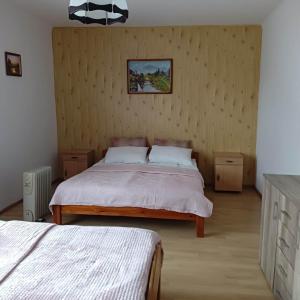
228 171
76 161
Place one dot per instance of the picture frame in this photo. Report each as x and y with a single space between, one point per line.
13 63
150 76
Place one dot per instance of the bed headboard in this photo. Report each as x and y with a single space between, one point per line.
195 155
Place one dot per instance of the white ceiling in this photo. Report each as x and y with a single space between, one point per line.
165 12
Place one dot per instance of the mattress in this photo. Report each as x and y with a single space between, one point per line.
47 261
136 185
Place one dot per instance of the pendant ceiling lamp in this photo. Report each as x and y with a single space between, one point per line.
104 12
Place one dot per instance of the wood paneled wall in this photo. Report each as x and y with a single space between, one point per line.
214 101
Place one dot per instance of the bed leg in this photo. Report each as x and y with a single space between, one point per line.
200 227
158 292
57 216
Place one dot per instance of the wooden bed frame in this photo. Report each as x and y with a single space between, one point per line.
153 289
60 210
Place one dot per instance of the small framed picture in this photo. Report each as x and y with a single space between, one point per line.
150 76
13 64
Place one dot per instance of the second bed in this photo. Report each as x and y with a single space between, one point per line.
135 190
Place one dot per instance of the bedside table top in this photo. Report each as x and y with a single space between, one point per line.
229 154
77 151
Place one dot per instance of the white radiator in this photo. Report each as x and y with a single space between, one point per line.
36 193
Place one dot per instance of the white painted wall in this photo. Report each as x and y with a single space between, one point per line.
27 106
278 143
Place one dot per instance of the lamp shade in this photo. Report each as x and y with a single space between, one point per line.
105 12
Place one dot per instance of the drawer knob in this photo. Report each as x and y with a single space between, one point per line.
275 212
229 161
75 157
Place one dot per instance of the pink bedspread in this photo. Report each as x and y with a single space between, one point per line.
129 185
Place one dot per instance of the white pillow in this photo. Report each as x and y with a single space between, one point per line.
126 155
170 154
192 167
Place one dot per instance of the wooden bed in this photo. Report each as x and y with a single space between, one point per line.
154 275
153 290
60 210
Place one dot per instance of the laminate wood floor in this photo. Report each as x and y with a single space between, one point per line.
222 266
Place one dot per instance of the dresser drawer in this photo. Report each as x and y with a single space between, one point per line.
288 214
284 271
286 243
280 290
229 160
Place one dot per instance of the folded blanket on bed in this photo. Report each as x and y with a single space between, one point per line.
42 261
132 185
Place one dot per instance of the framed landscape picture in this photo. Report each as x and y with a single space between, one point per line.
13 64
150 76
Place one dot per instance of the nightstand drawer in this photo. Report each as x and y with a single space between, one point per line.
74 157
75 162
228 171
228 160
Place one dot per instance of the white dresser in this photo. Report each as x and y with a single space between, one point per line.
280 235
